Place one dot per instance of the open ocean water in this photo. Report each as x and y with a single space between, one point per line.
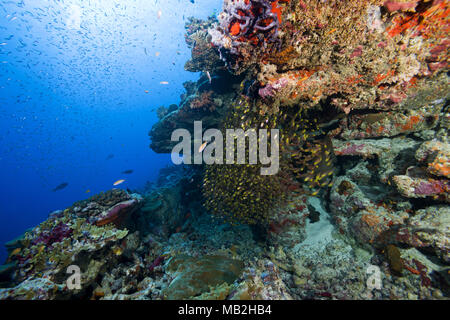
79 89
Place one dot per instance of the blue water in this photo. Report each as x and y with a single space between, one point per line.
73 101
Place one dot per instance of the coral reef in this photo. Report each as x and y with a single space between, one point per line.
359 92
204 57
353 54
87 233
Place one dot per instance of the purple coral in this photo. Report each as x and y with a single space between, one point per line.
266 91
428 189
270 89
57 234
351 150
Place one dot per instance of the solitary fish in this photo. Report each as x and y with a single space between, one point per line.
15 252
118 182
127 172
164 82
61 186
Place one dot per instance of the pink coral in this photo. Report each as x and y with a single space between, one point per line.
392 6
204 101
350 150
428 189
270 89
117 214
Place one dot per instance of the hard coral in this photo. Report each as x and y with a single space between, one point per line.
69 237
194 275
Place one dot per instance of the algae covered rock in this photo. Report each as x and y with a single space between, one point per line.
422 188
162 210
436 154
432 227
33 289
193 276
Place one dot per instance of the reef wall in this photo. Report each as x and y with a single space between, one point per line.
359 92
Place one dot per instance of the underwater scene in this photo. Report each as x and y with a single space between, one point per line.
224 150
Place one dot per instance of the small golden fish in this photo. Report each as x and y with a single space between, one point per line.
87 191
15 252
118 182
331 31
117 251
